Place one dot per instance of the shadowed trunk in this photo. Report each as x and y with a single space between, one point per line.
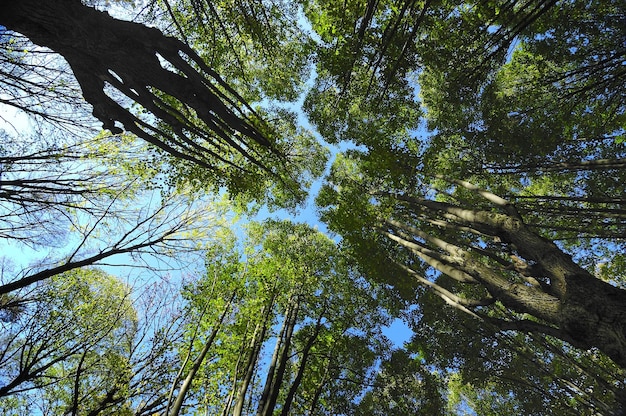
566 300
278 365
302 366
256 343
140 62
592 313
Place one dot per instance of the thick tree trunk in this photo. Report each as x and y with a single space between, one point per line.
571 303
592 313
126 55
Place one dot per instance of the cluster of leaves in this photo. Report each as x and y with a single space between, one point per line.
295 293
482 192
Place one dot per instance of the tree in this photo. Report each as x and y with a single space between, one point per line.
177 102
159 229
93 63
493 265
295 340
92 186
505 210
65 348
82 345
45 187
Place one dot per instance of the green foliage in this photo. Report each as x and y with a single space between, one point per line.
457 123
495 372
519 102
403 386
75 338
259 49
337 335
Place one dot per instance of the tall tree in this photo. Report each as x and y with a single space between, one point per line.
297 302
77 346
159 89
486 245
507 210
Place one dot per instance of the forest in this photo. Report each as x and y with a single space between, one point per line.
312 207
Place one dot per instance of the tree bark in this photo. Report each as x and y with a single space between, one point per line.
284 357
592 312
279 360
571 303
255 349
303 361
126 55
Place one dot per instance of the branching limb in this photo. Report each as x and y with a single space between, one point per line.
463 304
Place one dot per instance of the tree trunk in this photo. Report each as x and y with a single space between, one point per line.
255 349
320 388
592 313
76 392
184 389
279 360
269 379
303 361
125 55
284 357
231 395
571 303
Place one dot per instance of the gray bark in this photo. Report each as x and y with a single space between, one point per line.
571 303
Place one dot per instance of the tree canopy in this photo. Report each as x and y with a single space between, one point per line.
467 165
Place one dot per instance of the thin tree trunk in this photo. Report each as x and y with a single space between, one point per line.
284 357
76 394
301 368
319 389
255 349
233 389
272 368
184 389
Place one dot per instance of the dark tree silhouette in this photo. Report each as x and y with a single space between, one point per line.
201 118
